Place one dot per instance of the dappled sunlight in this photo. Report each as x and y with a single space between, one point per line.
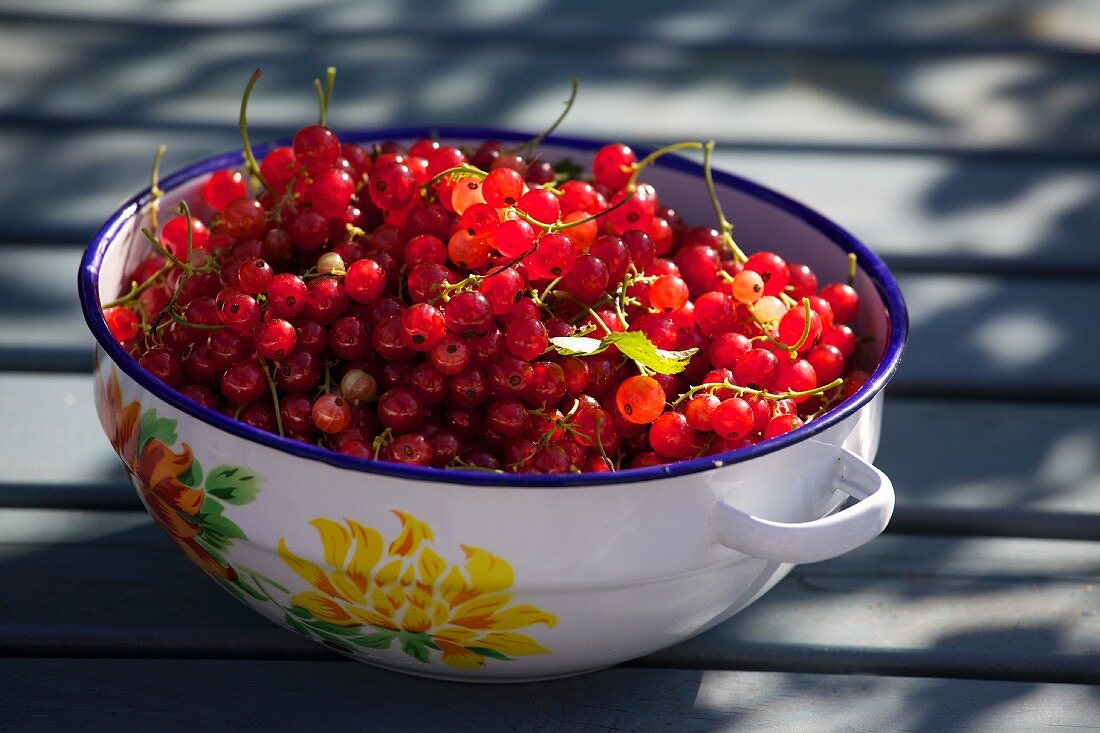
1072 462
1014 339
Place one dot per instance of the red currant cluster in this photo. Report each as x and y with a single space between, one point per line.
479 308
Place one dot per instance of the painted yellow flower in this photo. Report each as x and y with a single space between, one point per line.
406 589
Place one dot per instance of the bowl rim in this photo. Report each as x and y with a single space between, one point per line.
867 261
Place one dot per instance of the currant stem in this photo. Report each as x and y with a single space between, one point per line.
176 318
599 442
851 268
156 194
631 183
559 226
136 289
250 159
723 223
383 439
762 393
186 211
537 139
328 376
457 170
274 396
324 95
162 251
801 341
586 307
463 465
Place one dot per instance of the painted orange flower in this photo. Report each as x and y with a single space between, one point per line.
170 501
119 422
407 588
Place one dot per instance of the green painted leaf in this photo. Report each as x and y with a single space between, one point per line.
300 612
415 645
233 484
161 428
491 653
193 476
256 593
231 587
637 346
380 640
577 345
326 627
295 624
211 520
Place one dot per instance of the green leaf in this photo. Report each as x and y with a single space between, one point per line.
233 484
415 645
193 476
232 588
491 653
256 593
381 640
300 612
211 521
296 625
325 627
635 345
161 428
577 345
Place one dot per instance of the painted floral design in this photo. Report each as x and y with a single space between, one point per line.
120 422
370 593
187 505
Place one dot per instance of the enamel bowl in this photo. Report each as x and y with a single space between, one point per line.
486 577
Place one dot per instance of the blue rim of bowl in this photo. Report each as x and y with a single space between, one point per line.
867 260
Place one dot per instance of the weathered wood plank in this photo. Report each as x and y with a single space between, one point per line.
996 102
75 76
232 695
1051 25
1003 609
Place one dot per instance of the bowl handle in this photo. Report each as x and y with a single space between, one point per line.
818 539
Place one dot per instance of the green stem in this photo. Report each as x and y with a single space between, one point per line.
274 396
324 95
136 289
559 226
250 159
793 349
586 307
154 187
762 393
186 211
328 375
537 139
723 223
851 268
641 164
465 168
164 252
384 439
176 318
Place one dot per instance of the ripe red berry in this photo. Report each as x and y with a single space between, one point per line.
640 399
222 187
316 148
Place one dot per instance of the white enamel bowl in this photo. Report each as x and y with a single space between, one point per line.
474 576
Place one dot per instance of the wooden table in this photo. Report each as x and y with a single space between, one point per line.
961 141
